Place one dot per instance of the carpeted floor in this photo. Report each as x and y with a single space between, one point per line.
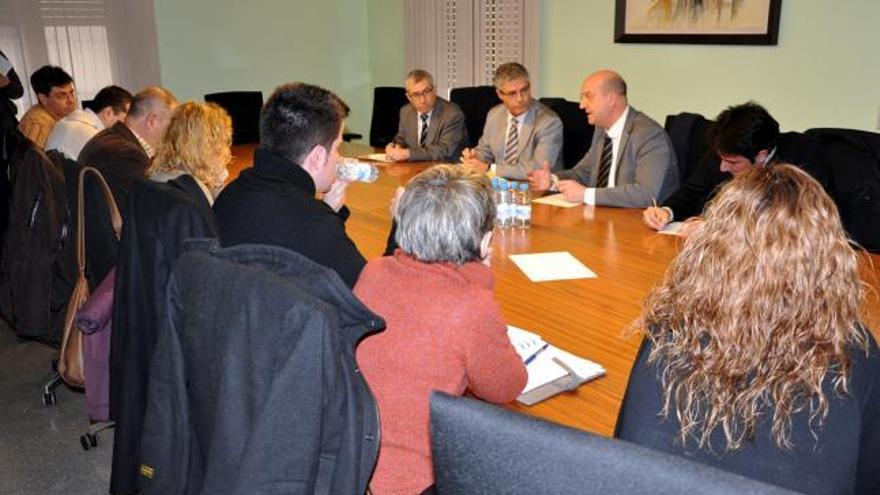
40 451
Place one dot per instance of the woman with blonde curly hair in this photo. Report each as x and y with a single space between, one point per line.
754 359
197 142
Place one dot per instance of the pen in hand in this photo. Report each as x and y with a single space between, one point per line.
531 358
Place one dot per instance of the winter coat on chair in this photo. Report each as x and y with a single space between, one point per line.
254 387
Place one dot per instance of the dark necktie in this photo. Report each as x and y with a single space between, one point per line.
605 163
423 136
510 149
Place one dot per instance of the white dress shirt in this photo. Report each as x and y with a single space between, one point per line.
71 133
615 132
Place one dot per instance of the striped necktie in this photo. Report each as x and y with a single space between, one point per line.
605 163
512 146
423 136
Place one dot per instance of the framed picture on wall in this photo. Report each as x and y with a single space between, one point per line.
719 22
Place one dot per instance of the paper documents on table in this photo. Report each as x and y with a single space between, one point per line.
551 370
376 157
672 228
555 200
543 267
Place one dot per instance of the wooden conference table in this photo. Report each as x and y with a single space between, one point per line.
588 317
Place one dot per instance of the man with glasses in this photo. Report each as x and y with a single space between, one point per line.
630 164
520 134
431 128
56 97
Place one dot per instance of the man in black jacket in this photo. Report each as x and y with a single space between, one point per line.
743 137
274 202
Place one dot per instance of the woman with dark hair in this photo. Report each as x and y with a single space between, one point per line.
754 358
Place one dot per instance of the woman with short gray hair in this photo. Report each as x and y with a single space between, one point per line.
444 328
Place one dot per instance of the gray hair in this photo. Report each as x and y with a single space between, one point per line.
418 75
444 214
511 71
151 98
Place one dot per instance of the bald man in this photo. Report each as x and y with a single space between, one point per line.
630 164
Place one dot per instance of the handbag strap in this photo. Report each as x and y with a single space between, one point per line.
115 217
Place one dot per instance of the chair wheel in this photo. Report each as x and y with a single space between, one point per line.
88 440
48 398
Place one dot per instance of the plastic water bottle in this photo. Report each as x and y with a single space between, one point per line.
505 213
496 195
353 170
523 218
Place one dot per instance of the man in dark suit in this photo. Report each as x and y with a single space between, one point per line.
520 134
431 128
274 201
630 163
742 138
122 153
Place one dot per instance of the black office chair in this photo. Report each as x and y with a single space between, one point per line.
387 101
577 133
481 449
688 133
244 108
475 103
852 160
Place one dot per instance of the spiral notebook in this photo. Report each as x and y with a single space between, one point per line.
551 369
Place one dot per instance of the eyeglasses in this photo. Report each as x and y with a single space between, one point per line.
524 91
421 94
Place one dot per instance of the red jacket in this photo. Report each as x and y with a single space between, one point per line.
444 332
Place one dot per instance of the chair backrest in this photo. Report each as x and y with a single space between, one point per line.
475 103
244 108
387 101
852 160
688 133
577 133
479 448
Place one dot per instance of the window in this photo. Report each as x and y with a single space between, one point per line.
461 42
93 40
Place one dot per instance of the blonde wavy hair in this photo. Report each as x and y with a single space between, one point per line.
197 142
757 311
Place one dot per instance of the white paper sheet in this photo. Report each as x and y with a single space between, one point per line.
542 267
524 342
672 228
555 200
376 157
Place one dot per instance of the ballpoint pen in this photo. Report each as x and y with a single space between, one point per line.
535 354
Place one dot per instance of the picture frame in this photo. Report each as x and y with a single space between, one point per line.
707 22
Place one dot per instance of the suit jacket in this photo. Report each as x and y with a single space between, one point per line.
540 140
447 134
159 217
119 156
646 165
274 203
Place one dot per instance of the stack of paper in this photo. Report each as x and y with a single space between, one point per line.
551 370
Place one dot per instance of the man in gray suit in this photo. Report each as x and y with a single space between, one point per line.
431 128
520 134
630 164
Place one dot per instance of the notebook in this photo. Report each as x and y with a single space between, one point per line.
551 369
